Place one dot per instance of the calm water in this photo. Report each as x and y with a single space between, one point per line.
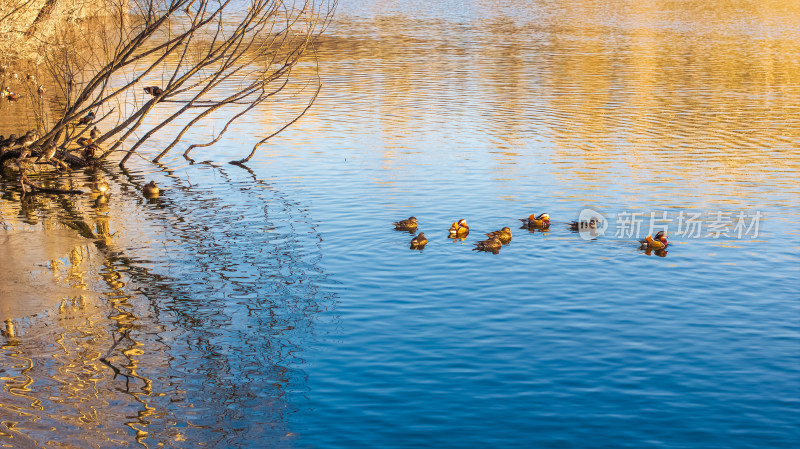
276 306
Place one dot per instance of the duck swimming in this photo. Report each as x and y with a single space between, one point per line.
493 244
151 189
584 225
459 229
453 230
542 221
657 242
406 225
504 235
419 241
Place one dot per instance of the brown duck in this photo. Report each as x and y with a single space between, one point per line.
419 241
406 225
151 189
592 223
493 244
504 235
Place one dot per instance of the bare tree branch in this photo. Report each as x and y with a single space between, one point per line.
195 57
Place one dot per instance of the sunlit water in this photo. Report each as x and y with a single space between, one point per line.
276 306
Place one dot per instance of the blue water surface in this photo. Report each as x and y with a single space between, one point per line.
274 305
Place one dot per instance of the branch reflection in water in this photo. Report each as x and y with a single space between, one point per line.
191 323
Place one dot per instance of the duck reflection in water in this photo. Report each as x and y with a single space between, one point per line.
657 252
534 230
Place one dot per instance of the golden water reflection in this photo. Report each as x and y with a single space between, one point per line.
661 95
655 98
122 351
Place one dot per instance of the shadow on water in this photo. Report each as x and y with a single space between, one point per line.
196 307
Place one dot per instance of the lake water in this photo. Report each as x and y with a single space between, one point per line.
276 306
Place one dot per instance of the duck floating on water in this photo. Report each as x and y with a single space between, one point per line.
541 222
459 229
419 241
493 245
409 224
504 235
592 223
151 189
658 242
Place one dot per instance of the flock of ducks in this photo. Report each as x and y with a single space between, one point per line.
103 190
47 151
10 95
496 239
458 230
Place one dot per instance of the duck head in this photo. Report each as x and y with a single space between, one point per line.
463 223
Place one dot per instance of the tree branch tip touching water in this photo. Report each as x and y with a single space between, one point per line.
193 57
